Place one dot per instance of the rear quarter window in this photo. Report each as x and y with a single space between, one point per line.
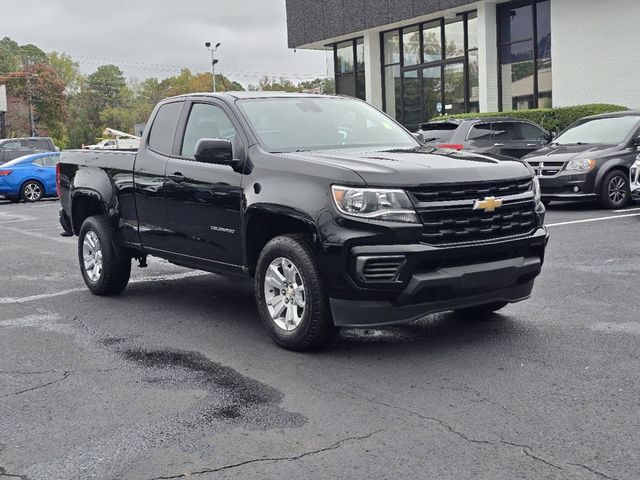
480 131
164 126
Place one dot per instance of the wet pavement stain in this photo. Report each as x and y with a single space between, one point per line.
231 397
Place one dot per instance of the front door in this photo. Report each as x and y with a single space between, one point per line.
204 200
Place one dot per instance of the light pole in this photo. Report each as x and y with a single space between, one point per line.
213 61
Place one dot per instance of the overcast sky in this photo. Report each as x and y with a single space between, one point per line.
154 38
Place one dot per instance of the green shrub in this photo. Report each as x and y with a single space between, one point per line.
552 119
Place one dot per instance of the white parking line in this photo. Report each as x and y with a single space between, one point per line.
32 233
14 217
158 278
626 210
588 220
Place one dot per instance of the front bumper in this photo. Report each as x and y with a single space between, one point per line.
435 279
635 183
569 186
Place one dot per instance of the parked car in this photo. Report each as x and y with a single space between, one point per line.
500 135
29 178
635 180
11 148
341 216
590 160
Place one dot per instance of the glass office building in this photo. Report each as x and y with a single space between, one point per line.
418 61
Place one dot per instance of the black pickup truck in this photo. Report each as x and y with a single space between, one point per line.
342 217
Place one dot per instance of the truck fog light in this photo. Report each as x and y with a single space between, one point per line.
576 189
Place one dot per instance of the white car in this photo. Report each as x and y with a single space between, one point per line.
634 179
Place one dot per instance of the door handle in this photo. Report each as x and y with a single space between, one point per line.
498 144
177 177
532 144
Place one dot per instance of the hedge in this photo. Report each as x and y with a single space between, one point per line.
552 119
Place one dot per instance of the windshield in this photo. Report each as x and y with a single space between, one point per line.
17 161
612 130
304 123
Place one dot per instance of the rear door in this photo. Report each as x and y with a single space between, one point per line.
204 200
46 168
149 175
506 139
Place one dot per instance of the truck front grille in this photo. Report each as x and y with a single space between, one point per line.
463 224
546 169
471 191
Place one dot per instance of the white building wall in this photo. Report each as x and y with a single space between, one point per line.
372 68
595 49
487 57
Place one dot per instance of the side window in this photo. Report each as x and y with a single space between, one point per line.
110 143
480 131
11 144
205 121
39 161
530 132
164 126
51 161
505 131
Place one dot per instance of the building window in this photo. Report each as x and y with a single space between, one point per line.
524 48
349 63
431 69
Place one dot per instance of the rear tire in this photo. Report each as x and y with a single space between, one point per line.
105 267
480 311
615 191
291 299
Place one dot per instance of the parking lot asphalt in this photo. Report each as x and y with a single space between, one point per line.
176 377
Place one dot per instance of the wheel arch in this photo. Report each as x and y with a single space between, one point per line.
85 203
263 223
608 167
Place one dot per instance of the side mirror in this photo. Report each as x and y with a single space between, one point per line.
418 136
216 150
636 141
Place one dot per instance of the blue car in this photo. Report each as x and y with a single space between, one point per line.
29 178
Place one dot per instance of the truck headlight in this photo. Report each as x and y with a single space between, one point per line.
537 192
375 204
581 165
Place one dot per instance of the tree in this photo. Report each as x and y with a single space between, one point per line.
104 89
9 58
49 100
106 84
31 55
66 70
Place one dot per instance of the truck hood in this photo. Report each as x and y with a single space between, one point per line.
419 166
564 153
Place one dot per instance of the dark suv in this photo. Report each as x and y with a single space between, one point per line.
499 135
11 148
590 160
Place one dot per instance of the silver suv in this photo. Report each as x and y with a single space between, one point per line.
11 148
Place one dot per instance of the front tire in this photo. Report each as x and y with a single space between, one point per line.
105 267
32 191
291 299
615 192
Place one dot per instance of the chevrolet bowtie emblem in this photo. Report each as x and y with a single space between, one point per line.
489 204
